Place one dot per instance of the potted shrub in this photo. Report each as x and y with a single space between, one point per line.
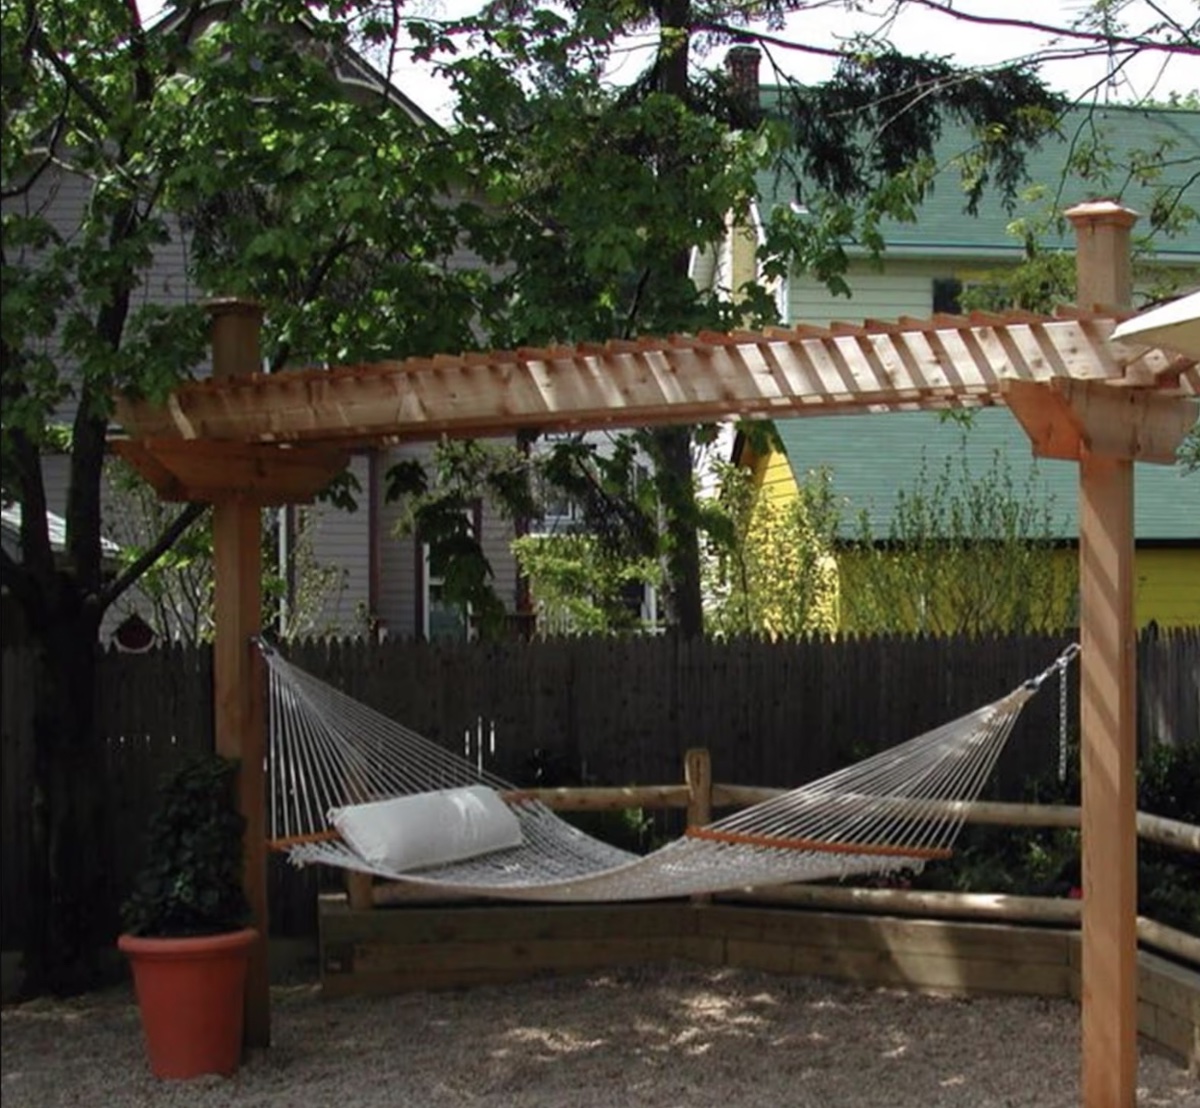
186 933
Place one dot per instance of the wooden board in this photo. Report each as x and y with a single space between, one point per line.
407 949
951 973
940 938
934 364
497 922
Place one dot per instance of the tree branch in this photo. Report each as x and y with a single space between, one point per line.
30 179
1139 42
129 576
46 49
745 34
1186 33
631 317
312 286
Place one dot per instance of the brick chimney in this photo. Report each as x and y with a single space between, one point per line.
741 63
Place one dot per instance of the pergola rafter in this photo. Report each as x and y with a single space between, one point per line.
943 362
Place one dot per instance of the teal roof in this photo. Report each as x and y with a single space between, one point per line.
871 458
943 227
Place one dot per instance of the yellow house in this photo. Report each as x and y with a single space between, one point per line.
884 473
926 267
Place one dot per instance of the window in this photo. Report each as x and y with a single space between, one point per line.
954 296
947 295
561 513
440 619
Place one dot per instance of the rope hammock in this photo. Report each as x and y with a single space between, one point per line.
896 810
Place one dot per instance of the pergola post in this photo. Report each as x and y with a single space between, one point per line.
1108 748
239 711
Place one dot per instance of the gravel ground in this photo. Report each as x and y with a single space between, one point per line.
661 1037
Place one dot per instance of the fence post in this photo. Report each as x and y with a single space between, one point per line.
697 775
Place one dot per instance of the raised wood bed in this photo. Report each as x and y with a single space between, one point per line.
439 946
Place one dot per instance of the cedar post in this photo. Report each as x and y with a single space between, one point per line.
239 709
360 891
697 774
1107 711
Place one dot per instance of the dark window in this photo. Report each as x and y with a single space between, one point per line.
947 295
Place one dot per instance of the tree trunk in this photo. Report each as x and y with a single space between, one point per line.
676 488
673 445
67 924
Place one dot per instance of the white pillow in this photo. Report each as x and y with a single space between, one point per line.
428 829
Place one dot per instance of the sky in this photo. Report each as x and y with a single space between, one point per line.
915 30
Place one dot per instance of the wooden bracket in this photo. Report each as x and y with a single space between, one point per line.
213 471
1065 418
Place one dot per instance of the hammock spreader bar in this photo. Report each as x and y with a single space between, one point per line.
775 843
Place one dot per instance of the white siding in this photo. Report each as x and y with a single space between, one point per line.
342 539
399 581
397 555
901 288
56 472
497 538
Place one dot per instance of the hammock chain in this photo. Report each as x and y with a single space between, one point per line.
1061 665
1062 723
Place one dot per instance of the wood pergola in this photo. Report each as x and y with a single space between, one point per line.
242 440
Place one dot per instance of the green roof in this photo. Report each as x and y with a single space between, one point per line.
871 458
944 227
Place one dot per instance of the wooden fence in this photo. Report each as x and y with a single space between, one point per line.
587 711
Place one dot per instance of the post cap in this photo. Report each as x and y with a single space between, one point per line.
232 305
1102 211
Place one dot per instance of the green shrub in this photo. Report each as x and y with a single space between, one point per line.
191 883
1046 861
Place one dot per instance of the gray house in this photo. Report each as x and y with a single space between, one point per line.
384 579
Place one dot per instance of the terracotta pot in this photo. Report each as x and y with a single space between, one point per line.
191 993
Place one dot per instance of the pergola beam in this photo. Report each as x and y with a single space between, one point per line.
206 470
1070 419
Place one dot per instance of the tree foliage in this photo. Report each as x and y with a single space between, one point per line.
966 552
580 588
223 147
596 197
777 574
